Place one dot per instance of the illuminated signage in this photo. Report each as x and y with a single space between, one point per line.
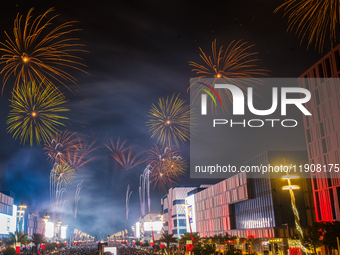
49 229
153 225
63 232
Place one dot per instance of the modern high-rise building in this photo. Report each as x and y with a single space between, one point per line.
322 131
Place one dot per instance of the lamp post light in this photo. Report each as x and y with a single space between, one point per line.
20 212
58 227
290 188
45 220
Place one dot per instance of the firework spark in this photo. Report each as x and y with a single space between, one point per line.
62 145
224 65
81 155
34 113
144 187
127 201
170 121
39 52
60 176
125 156
77 197
313 20
167 166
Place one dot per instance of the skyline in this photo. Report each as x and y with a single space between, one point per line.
135 57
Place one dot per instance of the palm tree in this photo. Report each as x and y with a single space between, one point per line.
38 239
187 236
168 238
16 238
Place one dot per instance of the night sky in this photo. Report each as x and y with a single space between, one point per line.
138 52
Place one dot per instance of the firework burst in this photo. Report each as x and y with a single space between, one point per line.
144 189
81 155
127 201
63 174
39 52
34 113
62 145
125 156
236 61
313 20
167 166
60 176
170 121
76 198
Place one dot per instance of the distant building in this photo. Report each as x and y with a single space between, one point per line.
174 209
8 212
33 224
149 227
322 131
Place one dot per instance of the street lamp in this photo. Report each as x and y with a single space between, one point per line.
58 226
290 188
45 219
21 211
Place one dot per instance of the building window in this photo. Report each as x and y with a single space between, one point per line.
178 202
308 136
181 223
318 205
166 210
328 68
324 147
320 72
166 224
315 183
182 231
332 203
306 82
337 60
174 231
322 130
317 97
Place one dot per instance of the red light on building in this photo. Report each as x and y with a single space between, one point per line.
17 249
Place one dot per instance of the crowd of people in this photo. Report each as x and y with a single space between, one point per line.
88 250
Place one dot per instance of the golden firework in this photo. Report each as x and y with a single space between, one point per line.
167 166
170 121
62 174
313 20
125 156
40 52
236 61
34 113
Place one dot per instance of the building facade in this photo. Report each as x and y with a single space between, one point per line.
8 212
248 205
322 131
174 209
33 224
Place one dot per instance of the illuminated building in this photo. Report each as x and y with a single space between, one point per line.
33 224
148 225
8 213
322 131
253 204
174 209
